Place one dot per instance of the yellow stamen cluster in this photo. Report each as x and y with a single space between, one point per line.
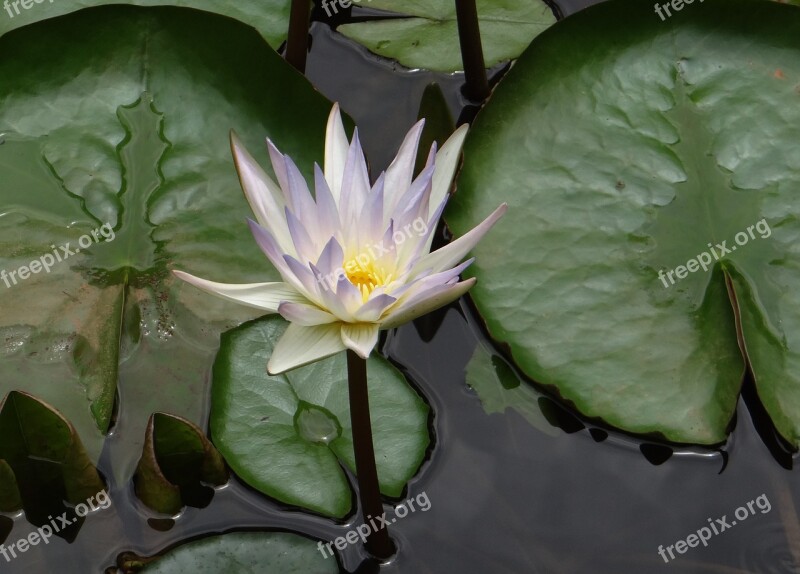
366 276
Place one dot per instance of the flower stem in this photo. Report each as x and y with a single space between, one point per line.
469 34
297 42
378 542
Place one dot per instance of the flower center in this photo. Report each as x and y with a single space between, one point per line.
366 276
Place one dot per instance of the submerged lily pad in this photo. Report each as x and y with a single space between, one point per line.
245 553
627 159
287 435
33 432
428 37
176 459
123 131
500 389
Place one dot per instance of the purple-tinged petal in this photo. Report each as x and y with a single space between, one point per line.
355 185
408 258
360 337
328 283
370 222
266 296
299 196
447 160
427 301
455 251
401 171
305 314
372 310
271 249
414 202
349 295
303 345
327 210
304 245
263 194
305 276
331 259
279 167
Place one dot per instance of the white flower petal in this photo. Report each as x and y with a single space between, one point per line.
426 302
370 221
336 145
455 251
446 163
266 296
423 243
401 171
304 314
264 196
360 337
303 345
327 210
355 187
278 166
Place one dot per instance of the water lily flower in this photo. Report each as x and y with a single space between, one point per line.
354 258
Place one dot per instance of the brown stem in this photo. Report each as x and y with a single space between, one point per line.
297 43
469 34
378 542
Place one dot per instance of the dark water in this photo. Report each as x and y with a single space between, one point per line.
505 496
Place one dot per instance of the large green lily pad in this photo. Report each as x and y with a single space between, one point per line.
269 17
627 153
126 125
288 435
246 553
428 36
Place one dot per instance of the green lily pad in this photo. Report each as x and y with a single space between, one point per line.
627 154
287 435
176 456
269 17
35 432
428 37
245 553
126 125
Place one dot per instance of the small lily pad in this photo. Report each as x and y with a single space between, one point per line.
428 37
177 457
245 553
288 435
